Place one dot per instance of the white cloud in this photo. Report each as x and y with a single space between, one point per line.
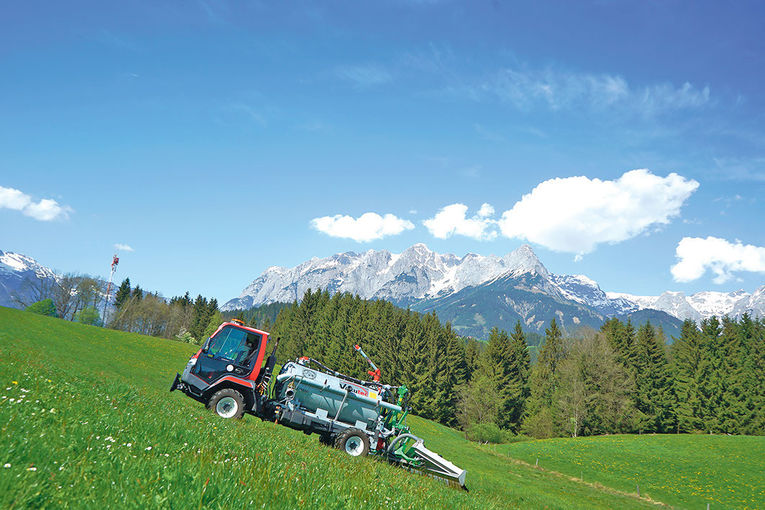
43 210
557 89
697 255
485 211
575 214
453 219
364 75
367 227
123 247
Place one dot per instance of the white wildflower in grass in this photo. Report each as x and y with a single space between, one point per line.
129 445
31 468
52 409
6 465
148 448
24 391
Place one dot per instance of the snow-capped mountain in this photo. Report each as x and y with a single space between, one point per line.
403 278
701 305
21 278
583 290
418 274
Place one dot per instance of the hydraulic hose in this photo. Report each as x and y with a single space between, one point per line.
399 438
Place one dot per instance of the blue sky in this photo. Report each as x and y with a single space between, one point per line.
219 138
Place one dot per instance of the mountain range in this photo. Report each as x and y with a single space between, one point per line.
477 292
473 292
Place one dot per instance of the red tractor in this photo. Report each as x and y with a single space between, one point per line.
227 374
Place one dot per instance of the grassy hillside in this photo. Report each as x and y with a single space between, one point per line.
681 470
86 421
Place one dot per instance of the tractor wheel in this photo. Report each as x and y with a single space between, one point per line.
353 441
326 440
227 403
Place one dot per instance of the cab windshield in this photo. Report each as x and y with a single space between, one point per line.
234 344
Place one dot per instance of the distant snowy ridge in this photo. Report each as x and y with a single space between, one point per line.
418 274
20 276
701 305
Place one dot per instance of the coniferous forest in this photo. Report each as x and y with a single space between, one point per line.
620 379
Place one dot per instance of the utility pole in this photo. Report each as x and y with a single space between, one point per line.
115 261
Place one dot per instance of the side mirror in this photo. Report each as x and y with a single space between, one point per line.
206 345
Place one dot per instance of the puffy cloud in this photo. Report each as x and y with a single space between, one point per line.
697 255
367 227
123 247
453 219
575 214
44 210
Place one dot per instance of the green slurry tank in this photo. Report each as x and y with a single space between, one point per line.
341 399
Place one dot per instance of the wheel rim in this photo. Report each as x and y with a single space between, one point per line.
354 446
226 407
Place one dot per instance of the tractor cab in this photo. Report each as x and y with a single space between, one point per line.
232 356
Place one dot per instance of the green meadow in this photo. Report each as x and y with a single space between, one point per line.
86 421
681 470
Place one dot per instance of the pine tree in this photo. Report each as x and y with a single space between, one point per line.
752 339
123 293
519 367
688 352
655 396
540 418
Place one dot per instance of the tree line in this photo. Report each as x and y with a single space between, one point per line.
70 296
180 317
619 379
82 298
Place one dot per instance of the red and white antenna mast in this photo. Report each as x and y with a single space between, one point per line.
115 261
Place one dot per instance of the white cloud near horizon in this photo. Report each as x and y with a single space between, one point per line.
123 247
697 255
368 227
575 214
452 219
45 209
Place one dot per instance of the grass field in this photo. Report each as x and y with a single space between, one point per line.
86 421
681 470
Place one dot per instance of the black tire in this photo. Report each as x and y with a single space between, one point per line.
327 440
227 403
353 441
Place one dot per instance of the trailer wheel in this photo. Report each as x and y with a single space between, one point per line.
353 441
227 403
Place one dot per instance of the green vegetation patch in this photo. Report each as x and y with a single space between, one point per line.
682 470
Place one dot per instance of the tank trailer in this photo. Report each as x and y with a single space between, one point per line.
358 417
